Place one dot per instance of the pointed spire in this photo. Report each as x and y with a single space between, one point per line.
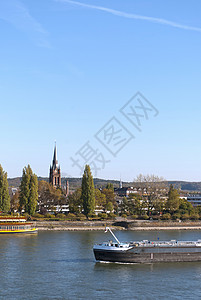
55 162
120 183
55 171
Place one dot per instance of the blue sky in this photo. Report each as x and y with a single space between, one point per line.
66 68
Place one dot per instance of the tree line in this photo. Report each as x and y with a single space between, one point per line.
27 197
165 208
153 199
42 196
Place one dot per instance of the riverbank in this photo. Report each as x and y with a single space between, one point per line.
116 225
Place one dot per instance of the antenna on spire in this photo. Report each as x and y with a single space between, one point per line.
120 183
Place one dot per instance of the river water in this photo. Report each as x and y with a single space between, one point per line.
60 265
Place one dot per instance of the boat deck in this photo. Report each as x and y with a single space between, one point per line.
161 244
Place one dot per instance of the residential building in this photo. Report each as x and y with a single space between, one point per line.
194 199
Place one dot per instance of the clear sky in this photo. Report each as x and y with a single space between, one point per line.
66 70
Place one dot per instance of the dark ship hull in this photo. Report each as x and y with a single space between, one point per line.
150 255
147 251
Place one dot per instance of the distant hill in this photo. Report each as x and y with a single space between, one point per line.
76 182
187 186
73 182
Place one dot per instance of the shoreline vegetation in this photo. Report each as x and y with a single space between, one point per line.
115 225
151 205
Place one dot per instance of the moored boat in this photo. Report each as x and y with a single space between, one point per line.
147 251
16 225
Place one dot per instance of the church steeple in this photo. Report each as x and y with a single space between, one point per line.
55 172
55 161
120 184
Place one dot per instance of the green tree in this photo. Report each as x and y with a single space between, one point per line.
33 196
49 196
110 186
198 210
75 202
172 203
124 206
24 188
185 207
159 205
100 198
135 205
109 194
28 191
88 192
4 192
110 207
14 203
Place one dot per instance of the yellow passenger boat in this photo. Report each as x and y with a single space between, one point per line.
16 225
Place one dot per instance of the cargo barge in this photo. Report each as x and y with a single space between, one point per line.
147 251
10 225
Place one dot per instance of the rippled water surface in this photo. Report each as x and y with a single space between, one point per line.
60 265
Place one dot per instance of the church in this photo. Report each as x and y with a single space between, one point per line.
55 171
55 174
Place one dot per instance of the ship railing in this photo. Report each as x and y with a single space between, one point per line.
171 243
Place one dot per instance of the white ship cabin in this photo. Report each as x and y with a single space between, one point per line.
11 219
112 246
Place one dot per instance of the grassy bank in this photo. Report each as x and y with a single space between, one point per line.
116 225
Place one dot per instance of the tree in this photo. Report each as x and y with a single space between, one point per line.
152 185
198 210
28 191
109 194
110 186
100 198
4 192
135 205
14 203
172 203
49 196
185 207
153 188
124 206
75 202
24 188
88 193
159 205
109 207
33 196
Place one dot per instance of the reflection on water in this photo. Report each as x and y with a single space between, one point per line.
61 265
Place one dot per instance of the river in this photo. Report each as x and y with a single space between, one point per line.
60 265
